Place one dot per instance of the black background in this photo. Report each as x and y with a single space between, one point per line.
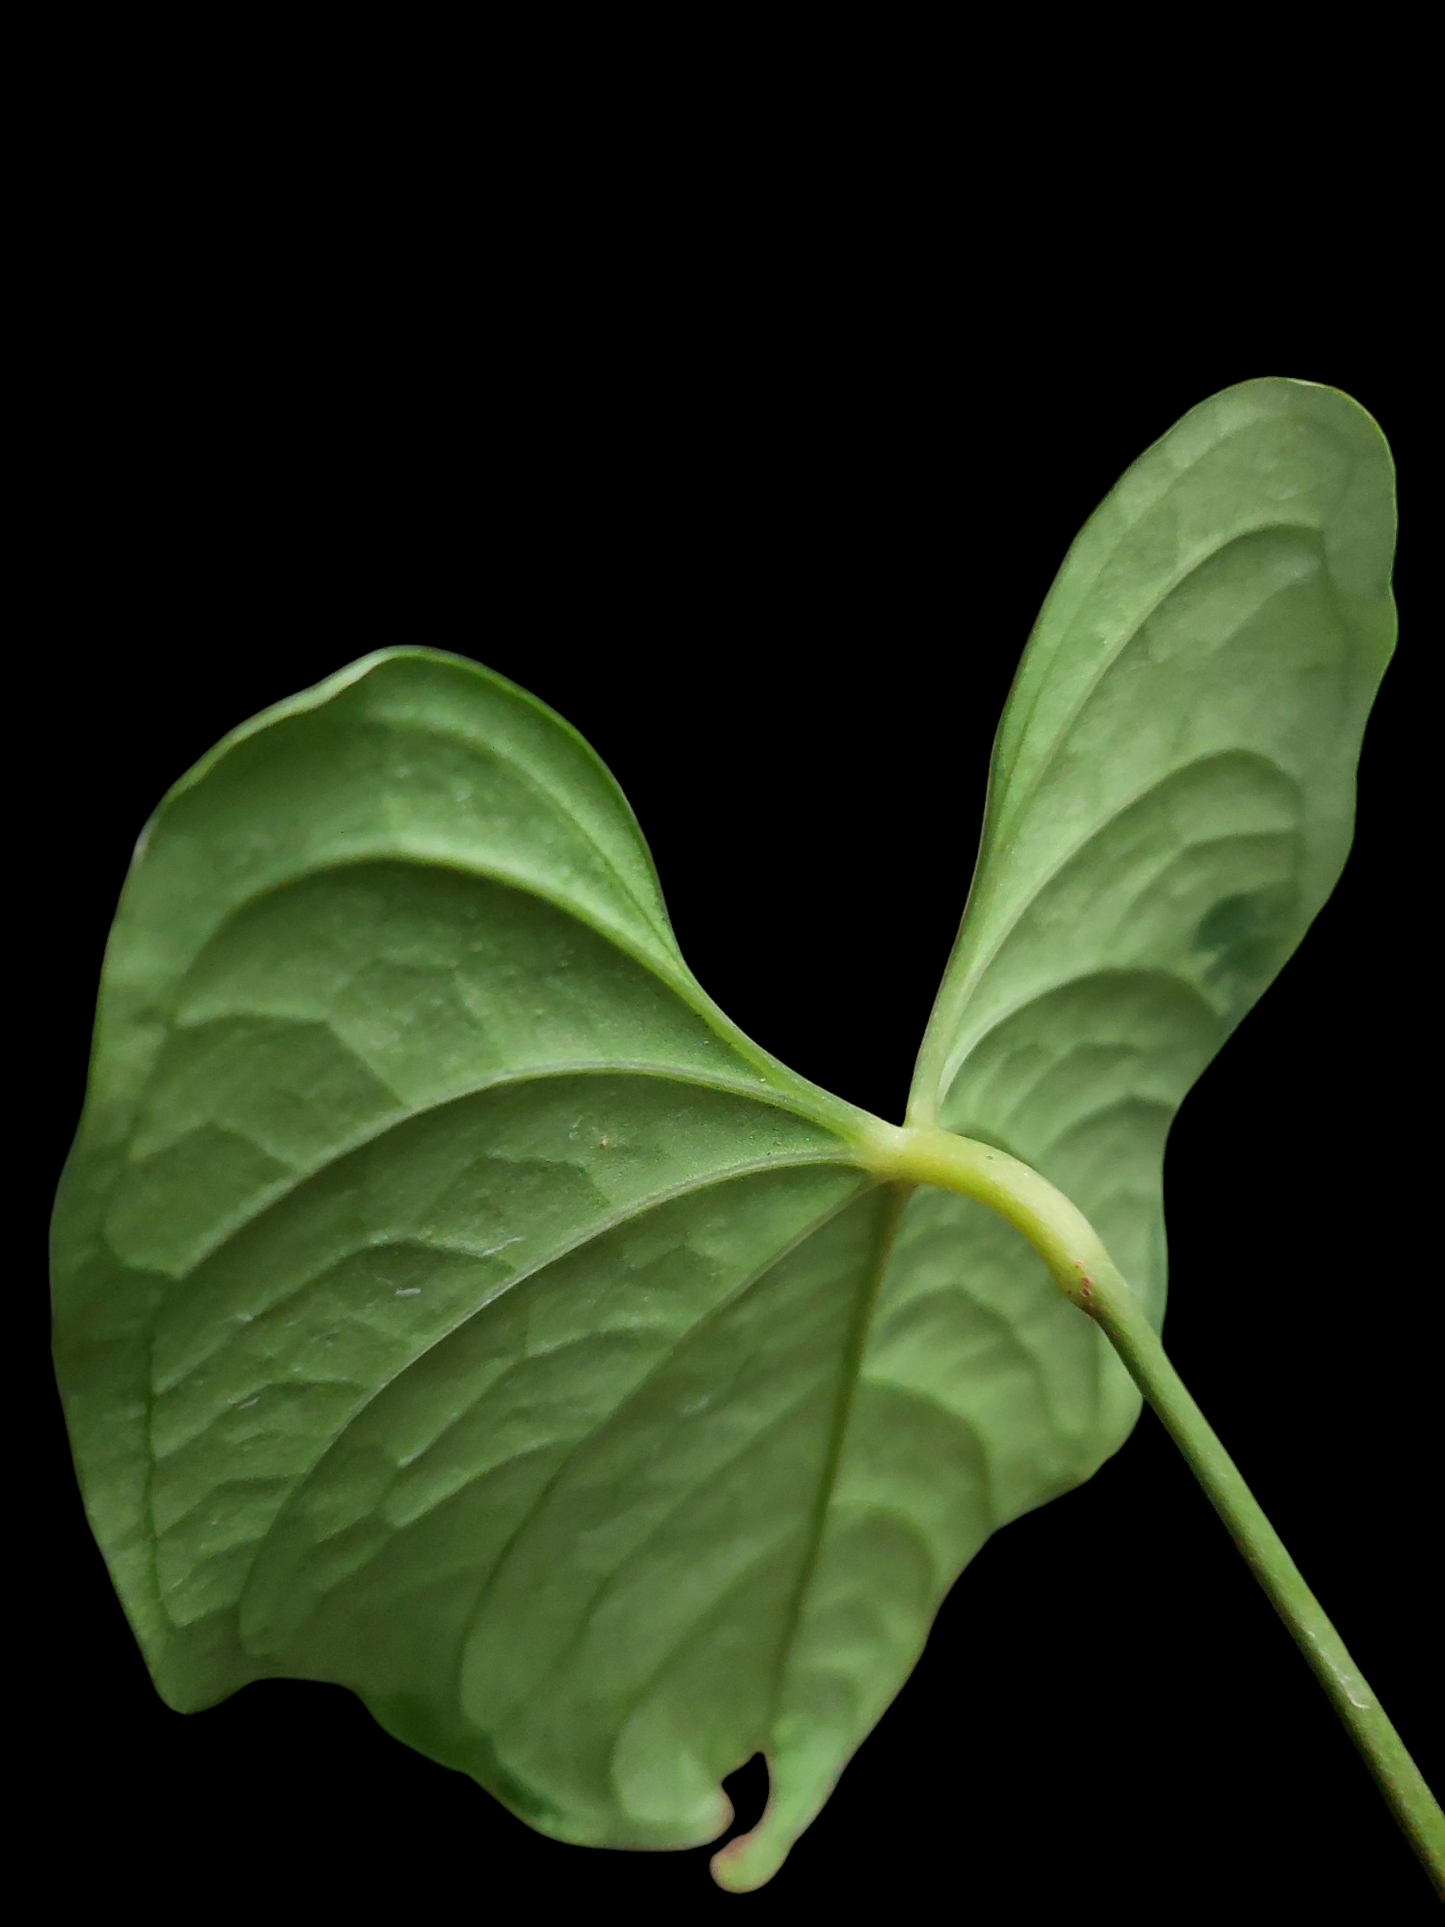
769 520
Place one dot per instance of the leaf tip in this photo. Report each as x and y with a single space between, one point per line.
751 1860
744 1864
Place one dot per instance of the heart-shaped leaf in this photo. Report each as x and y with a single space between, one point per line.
452 1303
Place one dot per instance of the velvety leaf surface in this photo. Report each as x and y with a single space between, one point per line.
450 1302
1170 803
422 1208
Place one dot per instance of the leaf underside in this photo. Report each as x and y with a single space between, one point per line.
450 1302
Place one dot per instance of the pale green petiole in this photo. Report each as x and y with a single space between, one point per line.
1072 1250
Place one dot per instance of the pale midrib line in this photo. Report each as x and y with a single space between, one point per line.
597 1230
768 1098
955 1059
694 1631
944 1016
728 1303
611 1580
852 1371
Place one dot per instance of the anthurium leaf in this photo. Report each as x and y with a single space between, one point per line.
1170 803
450 1302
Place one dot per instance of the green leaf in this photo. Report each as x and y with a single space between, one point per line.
1171 802
452 1303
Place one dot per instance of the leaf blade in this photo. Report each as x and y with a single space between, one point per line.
318 963
1168 618
411 1096
1070 1044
